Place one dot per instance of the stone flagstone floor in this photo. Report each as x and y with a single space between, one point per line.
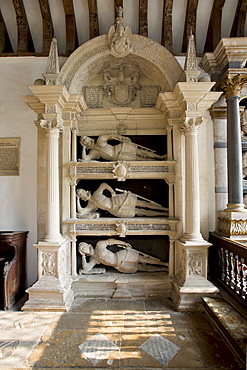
115 334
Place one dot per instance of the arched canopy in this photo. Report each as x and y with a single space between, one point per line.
92 58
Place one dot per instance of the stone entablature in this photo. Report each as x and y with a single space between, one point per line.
123 227
133 170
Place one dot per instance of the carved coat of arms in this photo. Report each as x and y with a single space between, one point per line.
119 89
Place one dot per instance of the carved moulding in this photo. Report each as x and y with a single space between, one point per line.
122 170
233 228
123 227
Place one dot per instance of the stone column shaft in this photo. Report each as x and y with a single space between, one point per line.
192 190
73 145
232 86
234 155
52 233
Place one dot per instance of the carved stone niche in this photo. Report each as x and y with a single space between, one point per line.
156 246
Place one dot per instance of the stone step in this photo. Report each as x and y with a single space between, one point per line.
231 325
118 285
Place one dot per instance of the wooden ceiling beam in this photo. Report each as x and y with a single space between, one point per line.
48 30
71 34
166 37
214 27
117 3
190 22
25 42
5 44
93 18
143 18
239 19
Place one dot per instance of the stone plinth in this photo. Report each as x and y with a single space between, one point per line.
187 297
233 224
114 284
190 283
52 291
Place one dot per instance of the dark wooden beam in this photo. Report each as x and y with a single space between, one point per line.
166 38
117 3
190 22
239 20
48 31
143 18
5 44
71 34
25 42
93 18
214 28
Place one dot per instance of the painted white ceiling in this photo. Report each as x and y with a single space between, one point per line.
106 19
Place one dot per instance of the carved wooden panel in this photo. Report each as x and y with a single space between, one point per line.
166 38
48 32
190 22
93 18
25 42
239 20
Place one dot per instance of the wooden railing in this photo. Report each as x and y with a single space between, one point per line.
228 267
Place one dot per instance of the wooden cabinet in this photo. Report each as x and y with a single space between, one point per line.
12 267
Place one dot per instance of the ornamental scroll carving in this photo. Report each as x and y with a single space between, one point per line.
232 227
195 263
48 264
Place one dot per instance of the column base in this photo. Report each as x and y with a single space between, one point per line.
237 207
233 224
188 297
52 291
47 294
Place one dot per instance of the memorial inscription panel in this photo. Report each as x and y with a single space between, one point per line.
9 156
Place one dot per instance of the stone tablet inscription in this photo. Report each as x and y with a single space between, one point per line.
9 156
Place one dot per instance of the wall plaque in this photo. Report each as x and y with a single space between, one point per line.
9 156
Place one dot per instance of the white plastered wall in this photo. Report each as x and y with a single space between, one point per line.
18 194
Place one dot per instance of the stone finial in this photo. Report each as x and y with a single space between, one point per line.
190 67
120 37
52 67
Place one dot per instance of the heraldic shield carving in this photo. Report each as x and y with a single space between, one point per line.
120 89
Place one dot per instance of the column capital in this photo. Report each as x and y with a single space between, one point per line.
52 126
232 85
190 124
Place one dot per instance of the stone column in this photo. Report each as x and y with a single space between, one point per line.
52 182
233 221
232 87
192 190
52 291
